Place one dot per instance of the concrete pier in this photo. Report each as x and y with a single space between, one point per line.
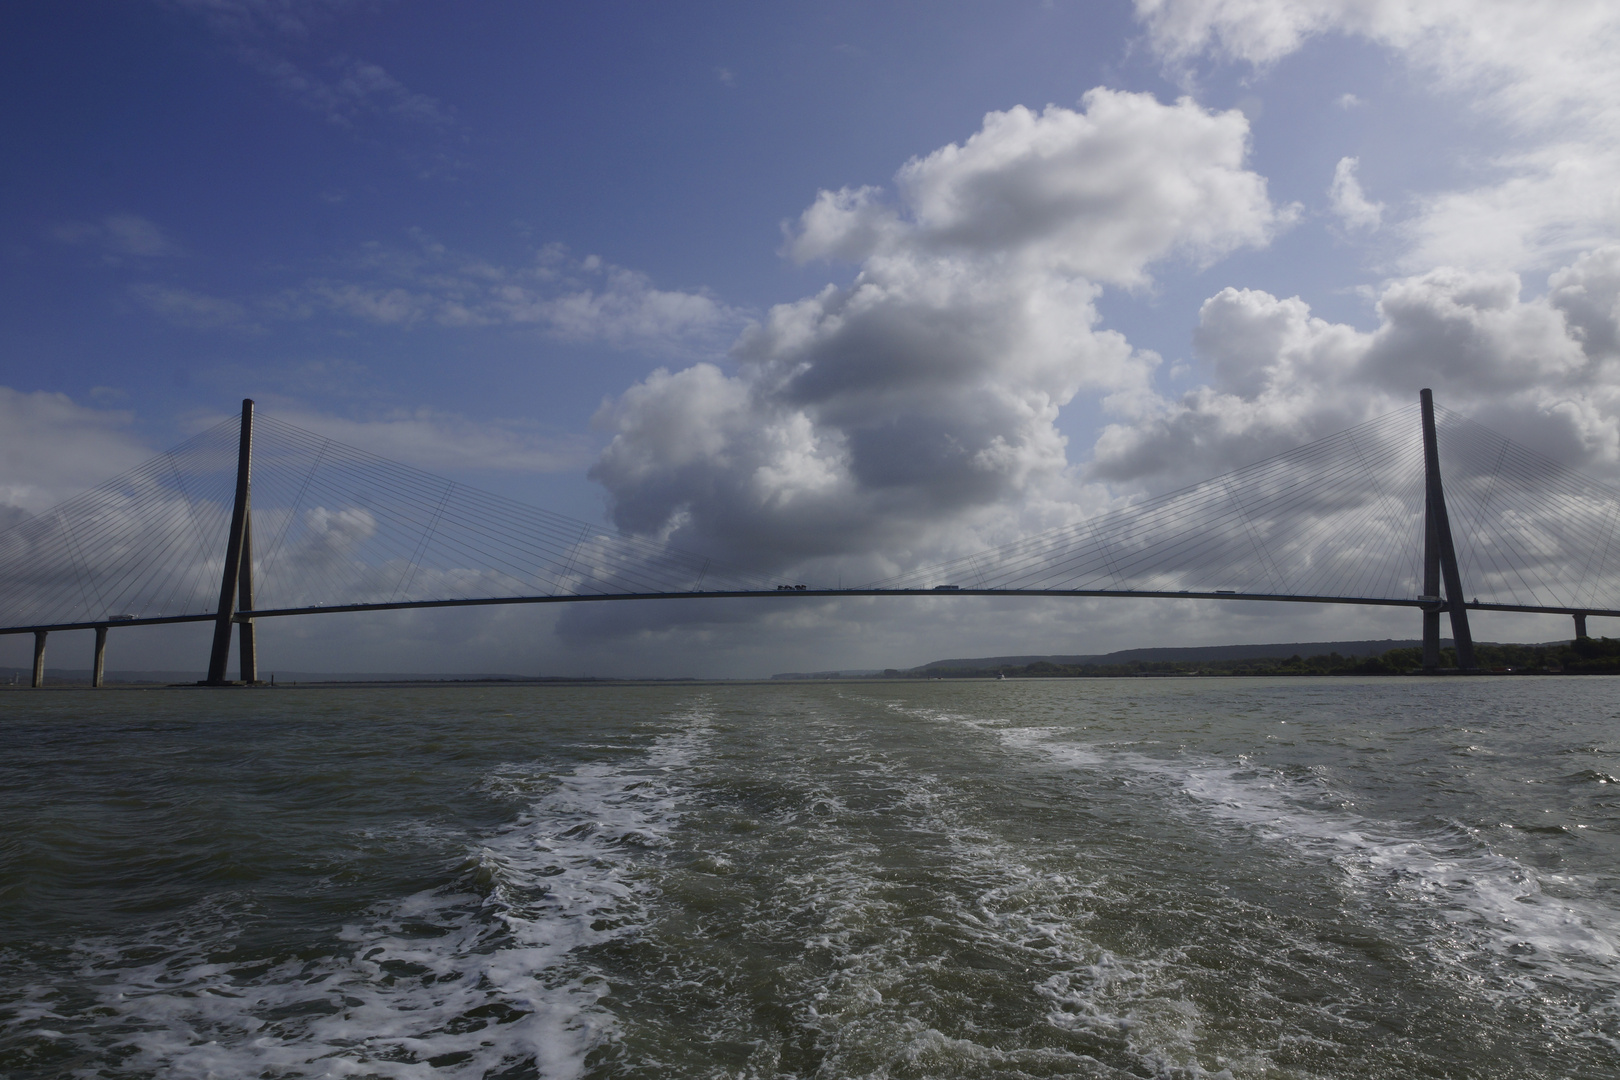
100 668
39 658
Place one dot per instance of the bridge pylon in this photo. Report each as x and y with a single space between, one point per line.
236 582
1440 558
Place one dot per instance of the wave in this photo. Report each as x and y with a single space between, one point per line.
895 930
1442 879
488 974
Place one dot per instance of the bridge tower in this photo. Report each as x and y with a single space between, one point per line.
236 583
1440 558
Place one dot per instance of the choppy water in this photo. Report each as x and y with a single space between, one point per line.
1128 878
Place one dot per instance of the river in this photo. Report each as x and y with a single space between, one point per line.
1080 878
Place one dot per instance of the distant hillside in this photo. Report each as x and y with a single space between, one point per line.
1587 656
1203 653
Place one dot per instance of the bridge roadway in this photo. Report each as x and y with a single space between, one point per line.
796 594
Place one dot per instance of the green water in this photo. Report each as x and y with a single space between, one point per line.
1093 878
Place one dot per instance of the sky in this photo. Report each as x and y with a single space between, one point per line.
834 289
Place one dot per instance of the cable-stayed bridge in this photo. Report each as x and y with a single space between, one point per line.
256 519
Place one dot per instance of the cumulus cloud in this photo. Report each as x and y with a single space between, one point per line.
1504 49
1542 370
1544 77
914 410
54 448
1349 202
1098 193
1540 367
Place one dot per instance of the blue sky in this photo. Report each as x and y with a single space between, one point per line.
1182 233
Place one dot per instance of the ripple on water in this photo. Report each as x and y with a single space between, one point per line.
485 975
923 881
1509 934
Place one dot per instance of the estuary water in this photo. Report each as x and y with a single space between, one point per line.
1087 878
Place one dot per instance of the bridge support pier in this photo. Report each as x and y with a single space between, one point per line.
1440 551
39 659
1580 626
100 668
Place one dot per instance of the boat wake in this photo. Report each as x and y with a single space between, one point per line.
489 974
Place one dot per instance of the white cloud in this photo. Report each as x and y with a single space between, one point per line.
1349 202
1098 193
343 89
119 236
621 307
52 448
585 300
1555 200
914 411
439 441
240 17
1543 75
353 89
134 235
1505 49
1544 370
194 310
578 300
1588 293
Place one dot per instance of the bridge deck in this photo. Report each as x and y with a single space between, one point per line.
797 594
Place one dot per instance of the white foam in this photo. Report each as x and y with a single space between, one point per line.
869 967
455 982
1472 898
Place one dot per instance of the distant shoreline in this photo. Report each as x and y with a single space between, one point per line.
1387 657
867 680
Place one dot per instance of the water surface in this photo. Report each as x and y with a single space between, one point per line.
1092 878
